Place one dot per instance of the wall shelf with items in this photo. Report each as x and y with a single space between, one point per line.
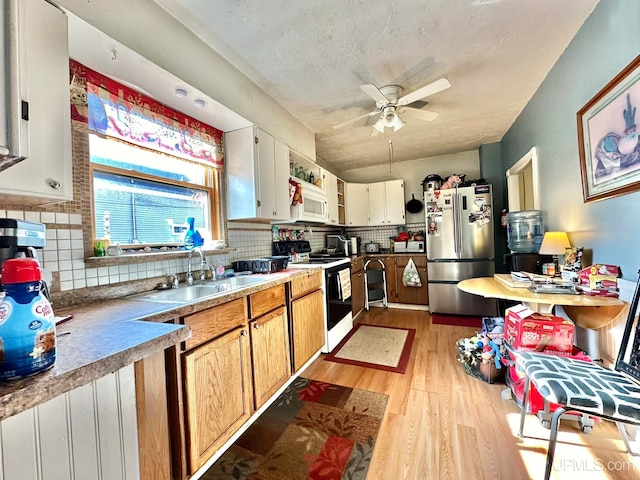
341 212
305 171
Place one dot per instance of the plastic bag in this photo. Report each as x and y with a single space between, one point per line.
410 276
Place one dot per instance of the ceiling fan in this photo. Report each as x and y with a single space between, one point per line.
389 105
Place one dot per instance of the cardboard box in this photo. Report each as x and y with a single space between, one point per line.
529 331
600 276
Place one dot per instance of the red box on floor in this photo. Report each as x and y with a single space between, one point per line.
529 331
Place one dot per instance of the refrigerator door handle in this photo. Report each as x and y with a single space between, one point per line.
456 225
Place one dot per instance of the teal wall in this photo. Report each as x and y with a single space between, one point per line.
606 43
491 170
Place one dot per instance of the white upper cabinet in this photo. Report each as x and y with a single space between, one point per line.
394 202
377 204
374 204
357 204
330 184
46 174
257 168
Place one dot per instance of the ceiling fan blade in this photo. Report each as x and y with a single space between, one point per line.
430 89
343 124
427 115
374 93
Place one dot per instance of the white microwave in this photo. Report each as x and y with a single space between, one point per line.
314 208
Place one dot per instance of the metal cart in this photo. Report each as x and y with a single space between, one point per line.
376 284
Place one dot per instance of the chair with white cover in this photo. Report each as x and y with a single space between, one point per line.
588 388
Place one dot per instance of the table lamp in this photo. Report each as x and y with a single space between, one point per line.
554 243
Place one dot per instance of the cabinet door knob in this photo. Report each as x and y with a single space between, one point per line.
243 332
256 326
56 185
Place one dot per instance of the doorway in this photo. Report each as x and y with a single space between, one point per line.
523 189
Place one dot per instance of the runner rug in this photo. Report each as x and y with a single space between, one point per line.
456 320
374 346
314 430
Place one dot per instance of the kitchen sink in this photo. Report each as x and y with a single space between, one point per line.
192 293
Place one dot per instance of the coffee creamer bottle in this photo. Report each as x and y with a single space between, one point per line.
27 325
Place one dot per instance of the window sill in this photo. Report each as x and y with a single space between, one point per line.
129 258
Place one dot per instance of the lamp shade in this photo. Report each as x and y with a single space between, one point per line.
554 243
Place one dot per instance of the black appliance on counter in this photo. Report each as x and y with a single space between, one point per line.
300 251
526 262
19 238
261 265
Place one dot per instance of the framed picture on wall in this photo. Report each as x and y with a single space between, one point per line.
608 138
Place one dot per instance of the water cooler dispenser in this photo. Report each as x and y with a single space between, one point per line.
524 237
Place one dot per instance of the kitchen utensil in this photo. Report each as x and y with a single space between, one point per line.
431 182
371 247
355 246
413 205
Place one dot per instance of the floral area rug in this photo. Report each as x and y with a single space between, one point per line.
314 430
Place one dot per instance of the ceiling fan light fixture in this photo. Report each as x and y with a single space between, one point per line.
389 116
399 123
379 125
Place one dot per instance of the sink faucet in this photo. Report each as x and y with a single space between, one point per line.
203 265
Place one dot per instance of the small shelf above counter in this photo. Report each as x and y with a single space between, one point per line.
305 171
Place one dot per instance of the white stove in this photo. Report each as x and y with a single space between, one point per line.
338 319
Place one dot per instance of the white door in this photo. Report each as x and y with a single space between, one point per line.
330 184
47 172
281 185
395 202
357 204
523 186
266 188
377 204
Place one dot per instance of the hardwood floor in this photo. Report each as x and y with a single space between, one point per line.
443 424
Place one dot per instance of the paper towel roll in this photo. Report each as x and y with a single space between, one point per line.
354 245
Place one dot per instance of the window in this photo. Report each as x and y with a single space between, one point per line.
151 167
141 197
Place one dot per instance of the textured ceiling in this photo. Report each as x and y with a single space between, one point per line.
313 55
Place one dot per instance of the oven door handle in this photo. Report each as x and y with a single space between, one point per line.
335 274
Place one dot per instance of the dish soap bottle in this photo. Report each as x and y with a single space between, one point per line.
189 237
27 324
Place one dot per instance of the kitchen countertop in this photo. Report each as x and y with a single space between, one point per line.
105 336
385 254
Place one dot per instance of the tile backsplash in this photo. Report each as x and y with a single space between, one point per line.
64 253
381 234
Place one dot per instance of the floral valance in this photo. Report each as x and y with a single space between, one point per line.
116 110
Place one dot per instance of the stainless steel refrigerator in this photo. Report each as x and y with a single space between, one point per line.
460 245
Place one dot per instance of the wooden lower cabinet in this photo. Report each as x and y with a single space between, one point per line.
271 364
357 286
411 295
307 325
394 266
153 424
218 393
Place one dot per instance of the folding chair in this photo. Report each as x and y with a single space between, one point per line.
376 284
588 388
